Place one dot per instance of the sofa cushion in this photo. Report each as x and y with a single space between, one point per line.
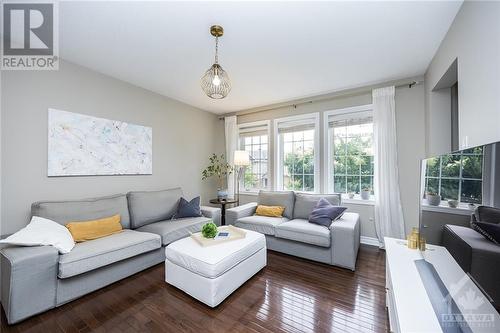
263 224
301 230
271 211
88 230
82 210
489 230
305 203
325 213
278 198
188 208
486 214
97 253
152 206
172 230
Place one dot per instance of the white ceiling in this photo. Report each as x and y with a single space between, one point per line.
273 51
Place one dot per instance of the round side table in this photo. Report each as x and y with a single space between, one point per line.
223 203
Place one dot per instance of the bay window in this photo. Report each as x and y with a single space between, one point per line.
349 144
254 138
297 156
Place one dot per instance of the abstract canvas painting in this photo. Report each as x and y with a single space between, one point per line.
82 145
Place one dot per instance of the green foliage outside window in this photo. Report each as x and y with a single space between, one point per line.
456 176
353 164
299 171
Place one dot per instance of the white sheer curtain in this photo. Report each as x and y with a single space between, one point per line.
388 212
231 131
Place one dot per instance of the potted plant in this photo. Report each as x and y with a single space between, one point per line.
220 169
209 230
350 195
453 203
433 198
365 193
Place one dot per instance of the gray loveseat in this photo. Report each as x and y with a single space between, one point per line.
35 279
293 234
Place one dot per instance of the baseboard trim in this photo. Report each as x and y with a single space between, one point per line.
369 241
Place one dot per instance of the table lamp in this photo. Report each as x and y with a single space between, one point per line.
241 160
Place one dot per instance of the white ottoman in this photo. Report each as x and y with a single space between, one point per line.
212 273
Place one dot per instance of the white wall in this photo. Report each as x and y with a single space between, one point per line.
473 39
410 120
183 138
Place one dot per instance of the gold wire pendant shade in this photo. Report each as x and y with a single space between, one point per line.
215 82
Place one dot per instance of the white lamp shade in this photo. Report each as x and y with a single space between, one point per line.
241 158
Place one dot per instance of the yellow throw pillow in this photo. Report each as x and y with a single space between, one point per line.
271 211
87 230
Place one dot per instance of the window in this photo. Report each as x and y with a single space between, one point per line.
298 153
350 151
456 176
254 138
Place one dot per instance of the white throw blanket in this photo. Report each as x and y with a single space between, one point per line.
41 231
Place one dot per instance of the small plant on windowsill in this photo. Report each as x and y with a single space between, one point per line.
433 199
220 169
365 193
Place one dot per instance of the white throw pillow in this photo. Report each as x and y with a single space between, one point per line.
42 231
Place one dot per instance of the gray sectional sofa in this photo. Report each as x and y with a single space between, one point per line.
35 279
293 234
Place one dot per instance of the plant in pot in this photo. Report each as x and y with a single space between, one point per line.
433 199
365 193
219 169
209 230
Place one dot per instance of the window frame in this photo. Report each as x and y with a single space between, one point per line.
308 118
328 154
460 177
260 123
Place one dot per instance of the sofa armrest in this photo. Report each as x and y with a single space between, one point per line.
233 214
29 280
345 236
212 213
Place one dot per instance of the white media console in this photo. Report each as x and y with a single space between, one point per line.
413 305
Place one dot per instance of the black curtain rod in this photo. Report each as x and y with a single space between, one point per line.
294 105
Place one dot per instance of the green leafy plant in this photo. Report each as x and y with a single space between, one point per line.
209 230
219 168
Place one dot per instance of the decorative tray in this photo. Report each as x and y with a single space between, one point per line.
234 234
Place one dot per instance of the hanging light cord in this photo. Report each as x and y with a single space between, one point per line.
216 50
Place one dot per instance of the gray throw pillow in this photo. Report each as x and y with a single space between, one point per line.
325 213
188 208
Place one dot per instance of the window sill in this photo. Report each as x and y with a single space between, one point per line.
446 209
360 201
249 193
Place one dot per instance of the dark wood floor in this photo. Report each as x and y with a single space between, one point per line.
289 295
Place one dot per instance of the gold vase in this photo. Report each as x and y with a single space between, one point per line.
415 241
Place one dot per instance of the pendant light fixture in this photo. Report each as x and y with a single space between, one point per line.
215 82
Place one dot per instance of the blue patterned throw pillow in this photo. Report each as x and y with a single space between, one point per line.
489 230
188 208
325 213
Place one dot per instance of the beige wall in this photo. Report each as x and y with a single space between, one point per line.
411 146
473 39
183 138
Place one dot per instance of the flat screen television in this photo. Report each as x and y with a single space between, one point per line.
460 192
